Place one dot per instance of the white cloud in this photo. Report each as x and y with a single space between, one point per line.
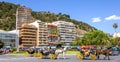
113 17
97 19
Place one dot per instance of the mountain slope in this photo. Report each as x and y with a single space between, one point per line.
7 15
8 11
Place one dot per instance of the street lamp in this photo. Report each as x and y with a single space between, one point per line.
17 32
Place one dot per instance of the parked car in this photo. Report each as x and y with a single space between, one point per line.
1 51
115 51
24 48
73 48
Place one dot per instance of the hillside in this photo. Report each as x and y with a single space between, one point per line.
8 12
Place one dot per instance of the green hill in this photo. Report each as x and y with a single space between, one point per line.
8 12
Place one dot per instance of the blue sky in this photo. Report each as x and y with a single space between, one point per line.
101 14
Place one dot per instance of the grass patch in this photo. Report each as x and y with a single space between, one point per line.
21 52
72 52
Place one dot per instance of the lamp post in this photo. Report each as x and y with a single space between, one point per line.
17 32
17 42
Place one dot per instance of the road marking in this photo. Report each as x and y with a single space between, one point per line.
16 58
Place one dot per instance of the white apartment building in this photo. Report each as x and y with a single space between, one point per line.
67 32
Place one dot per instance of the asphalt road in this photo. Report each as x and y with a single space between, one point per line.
69 58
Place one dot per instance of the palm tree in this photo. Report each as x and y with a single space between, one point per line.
54 31
115 26
76 42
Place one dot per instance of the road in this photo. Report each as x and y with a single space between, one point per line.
69 58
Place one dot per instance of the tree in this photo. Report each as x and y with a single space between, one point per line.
54 31
95 37
76 42
115 26
115 41
1 44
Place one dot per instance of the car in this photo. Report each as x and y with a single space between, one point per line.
115 51
24 48
73 48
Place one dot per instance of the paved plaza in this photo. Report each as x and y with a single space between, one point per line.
69 58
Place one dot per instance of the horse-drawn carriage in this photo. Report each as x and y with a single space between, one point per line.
94 53
51 53
86 54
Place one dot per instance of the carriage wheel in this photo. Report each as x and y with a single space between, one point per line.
52 56
27 54
80 56
40 55
35 55
93 57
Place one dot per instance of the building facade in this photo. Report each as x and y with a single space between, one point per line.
23 15
34 34
67 32
47 34
28 35
43 33
9 38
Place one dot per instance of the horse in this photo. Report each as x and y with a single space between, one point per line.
61 51
105 52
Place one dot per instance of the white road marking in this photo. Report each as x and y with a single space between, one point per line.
16 58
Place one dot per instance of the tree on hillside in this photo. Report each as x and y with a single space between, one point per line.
115 26
8 13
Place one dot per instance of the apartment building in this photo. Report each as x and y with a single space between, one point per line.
67 31
43 33
28 35
34 34
23 15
